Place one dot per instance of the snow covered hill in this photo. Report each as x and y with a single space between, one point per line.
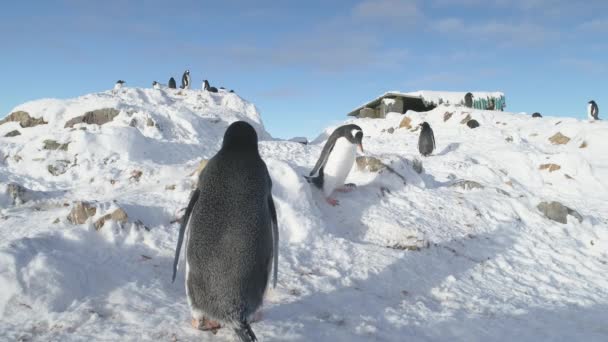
459 252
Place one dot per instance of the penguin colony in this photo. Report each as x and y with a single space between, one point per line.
230 224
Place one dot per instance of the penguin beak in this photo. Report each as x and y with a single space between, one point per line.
361 148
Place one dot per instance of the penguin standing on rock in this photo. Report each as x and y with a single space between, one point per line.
232 240
186 80
336 160
156 85
209 88
426 141
593 111
118 84
172 84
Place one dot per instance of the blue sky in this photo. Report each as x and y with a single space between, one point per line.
305 64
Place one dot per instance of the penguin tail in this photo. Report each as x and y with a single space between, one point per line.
244 332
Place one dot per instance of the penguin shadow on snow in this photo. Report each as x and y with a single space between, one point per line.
378 301
81 266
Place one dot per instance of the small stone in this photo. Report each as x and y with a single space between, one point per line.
81 211
583 145
12 134
417 166
406 123
170 187
550 167
567 176
473 123
390 130
17 193
509 139
54 145
133 122
467 185
59 167
559 139
447 116
56 221
136 175
149 122
466 119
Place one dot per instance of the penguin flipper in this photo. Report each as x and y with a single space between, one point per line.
182 230
245 333
275 240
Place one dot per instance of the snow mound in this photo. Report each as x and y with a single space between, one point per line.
445 248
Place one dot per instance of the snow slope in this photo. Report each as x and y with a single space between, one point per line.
420 260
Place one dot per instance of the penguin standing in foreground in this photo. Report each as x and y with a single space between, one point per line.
593 111
172 84
118 84
209 88
426 141
186 80
233 238
336 160
156 85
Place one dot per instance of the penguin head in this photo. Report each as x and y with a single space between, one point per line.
154 83
425 125
354 134
240 135
187 72
120 81
591 102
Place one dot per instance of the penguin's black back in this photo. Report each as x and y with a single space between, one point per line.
426 141
172 83
230 243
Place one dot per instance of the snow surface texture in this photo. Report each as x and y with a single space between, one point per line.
422 261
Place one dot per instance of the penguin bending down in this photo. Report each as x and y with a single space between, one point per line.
536 115
172 84
118 84
336 160
186 80
233 238
426 141
593 111
208 88
156 85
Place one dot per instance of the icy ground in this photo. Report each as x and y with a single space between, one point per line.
420 260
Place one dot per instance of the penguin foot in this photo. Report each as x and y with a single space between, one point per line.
332 201
257 316
206 325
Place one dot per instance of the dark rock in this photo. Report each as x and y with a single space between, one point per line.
473 123
467 185
24 119
97 117
447 116
390 130
59 167
16 192
12 134
54 145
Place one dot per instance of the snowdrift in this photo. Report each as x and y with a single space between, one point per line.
458 252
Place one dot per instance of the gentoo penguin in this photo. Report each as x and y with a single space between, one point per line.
468 100
208 88
233 238
426 141
118 84
172 84
537 115
336 160
156 85
186 80
593 111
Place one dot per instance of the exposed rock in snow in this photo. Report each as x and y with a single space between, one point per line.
12 134
559 139
81 211
54 145
24 119
558 212
406 123
118 215
551 167
96 117
467 185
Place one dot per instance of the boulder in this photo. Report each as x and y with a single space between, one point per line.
24 119
559 139
391 130
97 117
54 145
473 123
80 213
12 134
371 164
118 215
558 212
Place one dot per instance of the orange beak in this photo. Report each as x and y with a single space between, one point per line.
361 148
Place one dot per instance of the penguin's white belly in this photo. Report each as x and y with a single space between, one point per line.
117 86
589 110
338 166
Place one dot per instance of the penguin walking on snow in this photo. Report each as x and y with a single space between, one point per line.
336 160
209 88
186 80
233 238
426 141
118 85
593 111
172 84
156 85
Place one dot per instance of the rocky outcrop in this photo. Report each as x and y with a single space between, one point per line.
558 212
97 117
80 213
559 139
54 145
24 119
